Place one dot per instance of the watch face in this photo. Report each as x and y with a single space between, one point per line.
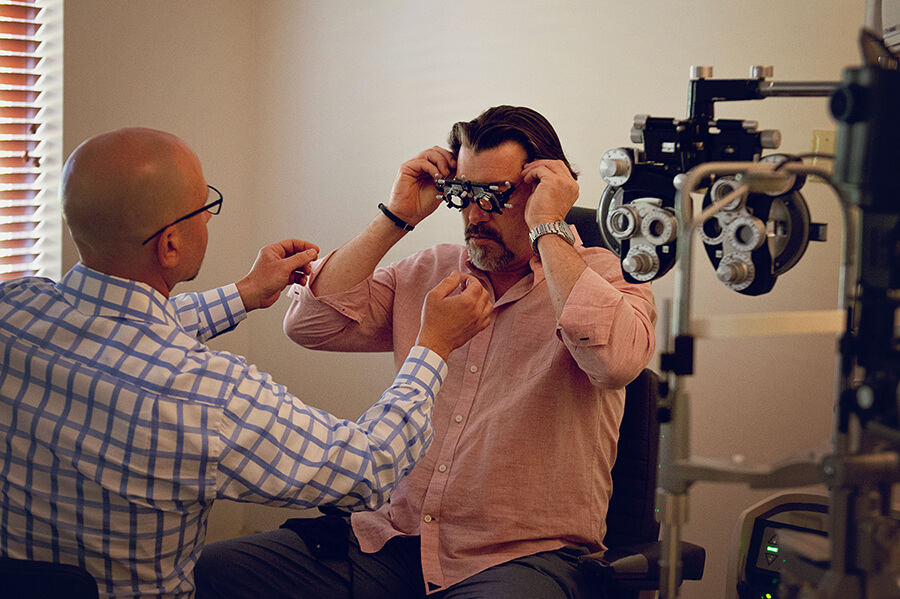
564 230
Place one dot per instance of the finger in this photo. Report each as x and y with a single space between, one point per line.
443 159
470 285
296 246
448 285
436 162
300 261
533 172
545 167
425 169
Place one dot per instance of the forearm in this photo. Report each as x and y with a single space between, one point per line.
399 428
306 457
562 268
211 313
336 325
357 259
358 319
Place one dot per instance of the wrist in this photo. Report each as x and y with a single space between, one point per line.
555 228
435 345
396 220
243 288
542 219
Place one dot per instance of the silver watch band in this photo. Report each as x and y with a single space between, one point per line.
558 227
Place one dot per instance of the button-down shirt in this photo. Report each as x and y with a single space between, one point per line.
526 425
119 428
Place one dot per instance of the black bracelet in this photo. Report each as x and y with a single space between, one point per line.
396 219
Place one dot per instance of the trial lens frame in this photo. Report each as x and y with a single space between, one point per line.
490 197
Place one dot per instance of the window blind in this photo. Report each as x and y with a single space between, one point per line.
30 138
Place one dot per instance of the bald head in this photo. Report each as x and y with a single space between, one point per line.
120 187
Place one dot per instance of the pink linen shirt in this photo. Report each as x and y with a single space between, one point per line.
526 424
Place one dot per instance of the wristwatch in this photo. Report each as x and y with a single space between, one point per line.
559 227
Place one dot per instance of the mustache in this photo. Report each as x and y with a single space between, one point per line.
481 231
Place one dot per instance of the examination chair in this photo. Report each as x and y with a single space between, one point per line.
630 564
26 579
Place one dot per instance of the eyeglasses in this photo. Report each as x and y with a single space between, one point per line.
213 207
490 197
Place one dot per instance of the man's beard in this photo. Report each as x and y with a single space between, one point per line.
490 258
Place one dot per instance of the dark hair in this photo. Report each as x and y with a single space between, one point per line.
500 124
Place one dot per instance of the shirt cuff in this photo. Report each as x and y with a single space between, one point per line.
234 304
425 368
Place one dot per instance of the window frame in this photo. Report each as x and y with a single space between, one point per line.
31 105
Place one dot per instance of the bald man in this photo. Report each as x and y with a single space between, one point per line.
120 426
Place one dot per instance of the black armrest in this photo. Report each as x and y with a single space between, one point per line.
637 566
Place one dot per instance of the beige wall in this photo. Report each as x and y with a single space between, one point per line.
302 111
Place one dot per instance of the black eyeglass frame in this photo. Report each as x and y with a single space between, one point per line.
213 207
488 197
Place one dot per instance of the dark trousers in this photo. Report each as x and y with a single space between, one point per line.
329 564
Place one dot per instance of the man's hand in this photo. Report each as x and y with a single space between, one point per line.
277 266
450 319
554 191
414 195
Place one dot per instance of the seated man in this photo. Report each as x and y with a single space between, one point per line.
517 483
120 427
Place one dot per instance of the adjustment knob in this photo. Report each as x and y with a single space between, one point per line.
732 272
761 71
701 72
770 139
637 264
615 166
611 167
848 103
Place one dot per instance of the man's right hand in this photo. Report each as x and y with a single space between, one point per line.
450 319
414 195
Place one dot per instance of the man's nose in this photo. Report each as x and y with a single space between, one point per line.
476 215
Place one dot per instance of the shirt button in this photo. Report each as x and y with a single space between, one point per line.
428 518
473 368
458 418
442 468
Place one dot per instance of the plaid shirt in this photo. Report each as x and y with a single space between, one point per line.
119 428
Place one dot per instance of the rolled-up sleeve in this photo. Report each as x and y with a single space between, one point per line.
608 323
358 319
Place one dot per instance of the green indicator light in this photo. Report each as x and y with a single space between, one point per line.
771 548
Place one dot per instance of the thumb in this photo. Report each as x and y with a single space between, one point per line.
301 259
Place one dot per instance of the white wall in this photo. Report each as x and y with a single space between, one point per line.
188 68
302 111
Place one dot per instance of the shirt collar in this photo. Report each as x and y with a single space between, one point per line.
522 287
97 294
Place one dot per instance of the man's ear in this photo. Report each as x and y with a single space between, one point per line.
168 248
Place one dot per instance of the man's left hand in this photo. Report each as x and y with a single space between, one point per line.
554 191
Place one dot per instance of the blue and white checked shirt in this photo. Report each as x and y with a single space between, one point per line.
119 428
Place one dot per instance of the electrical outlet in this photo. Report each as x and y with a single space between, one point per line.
822 143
